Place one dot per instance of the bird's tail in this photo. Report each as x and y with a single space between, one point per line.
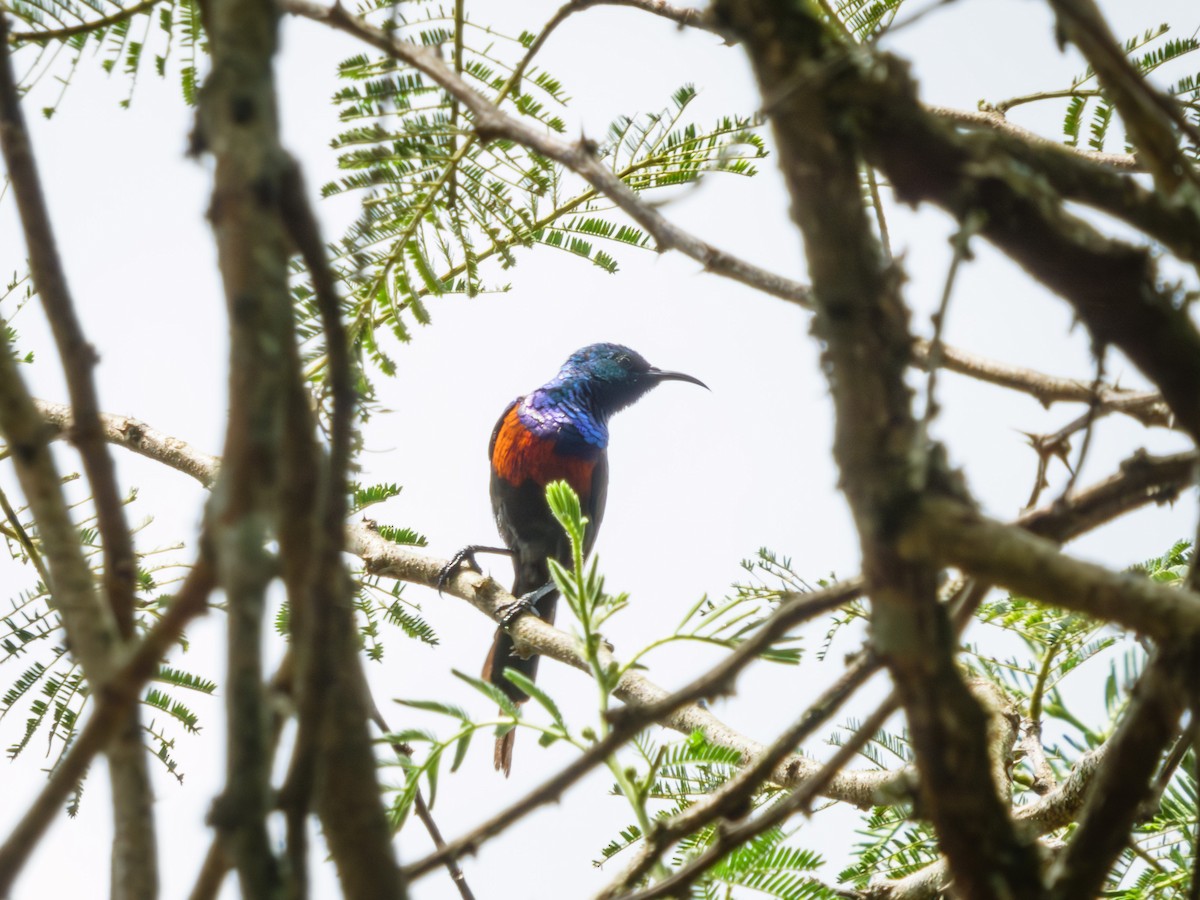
503 655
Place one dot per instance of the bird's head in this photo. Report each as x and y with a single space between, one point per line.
614 376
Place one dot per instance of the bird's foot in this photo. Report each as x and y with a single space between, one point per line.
465 556
525 603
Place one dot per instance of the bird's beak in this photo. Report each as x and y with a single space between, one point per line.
660 375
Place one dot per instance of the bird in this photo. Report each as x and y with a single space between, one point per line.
558 431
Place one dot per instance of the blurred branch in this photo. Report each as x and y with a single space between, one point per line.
62 34
334 756
995 121
953 533
1150 118
1123 780
237 122
135 858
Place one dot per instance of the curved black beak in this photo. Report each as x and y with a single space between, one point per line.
660 375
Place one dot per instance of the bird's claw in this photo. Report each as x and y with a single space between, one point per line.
525 603
465 555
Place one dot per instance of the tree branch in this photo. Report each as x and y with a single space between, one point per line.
135 860
1123 780
335 758
139 437
996 121
62 34
580 157
1146 407
884 463
237 122
927 160
954 534
1150 118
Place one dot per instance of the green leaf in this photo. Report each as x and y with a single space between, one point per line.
521 680
490 691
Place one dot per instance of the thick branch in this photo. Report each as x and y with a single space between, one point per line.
995 121
878 444
237 122
952 533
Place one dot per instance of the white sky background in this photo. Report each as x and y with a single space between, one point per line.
699 480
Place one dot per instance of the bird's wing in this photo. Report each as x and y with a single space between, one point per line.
596 499
499 424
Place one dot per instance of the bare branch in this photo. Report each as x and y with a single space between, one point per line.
1123 780
1146 407
237 123
335 758
141 439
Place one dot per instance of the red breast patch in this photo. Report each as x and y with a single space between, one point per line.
518 455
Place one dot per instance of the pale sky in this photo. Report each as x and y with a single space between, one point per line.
698 480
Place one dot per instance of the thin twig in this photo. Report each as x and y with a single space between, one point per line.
1090 417
62 34
933 361
1146 407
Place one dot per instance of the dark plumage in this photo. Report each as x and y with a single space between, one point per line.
558 431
